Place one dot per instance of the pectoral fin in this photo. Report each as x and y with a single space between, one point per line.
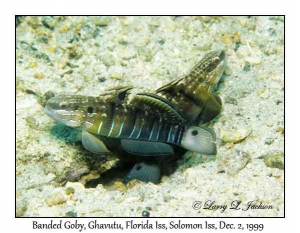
93 144
212 109
144 148
144 172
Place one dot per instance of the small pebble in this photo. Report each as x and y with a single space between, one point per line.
261 77
280 130
69 191
64 28
232 163
236 136
91 176
32 123
76 186
120 186
46 96
269 141
102 21
56 197
71 214
243 22
87 78
115 75
171 27
261 91
120 199
229 146
277 173
145 54
75 175
143 42
108 60
33 65
132 183
75 54
145 213
68 71
39 75
51 49
274 159
60 65
269 123
227 40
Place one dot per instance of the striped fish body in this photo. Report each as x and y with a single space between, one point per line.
200 110
119 121
194 92
100 116
203 77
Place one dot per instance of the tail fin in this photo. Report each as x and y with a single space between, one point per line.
201 140
144 172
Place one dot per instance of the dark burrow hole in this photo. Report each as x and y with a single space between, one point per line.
108 178
168 165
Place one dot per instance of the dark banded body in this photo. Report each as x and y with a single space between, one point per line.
117 121
100 116
193 93
203 77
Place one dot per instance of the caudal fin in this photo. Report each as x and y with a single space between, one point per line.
200 140
144 172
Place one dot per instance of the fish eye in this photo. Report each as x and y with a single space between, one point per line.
63 104
122 95
194 132
139 167
216 60
90 109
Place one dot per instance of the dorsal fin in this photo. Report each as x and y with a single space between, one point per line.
117 95
158 106
168 87
119 88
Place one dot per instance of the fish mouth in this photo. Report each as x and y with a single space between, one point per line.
223 55
223 63
62 116
54 114
49 111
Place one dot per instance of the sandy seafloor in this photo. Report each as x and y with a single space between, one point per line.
88 55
